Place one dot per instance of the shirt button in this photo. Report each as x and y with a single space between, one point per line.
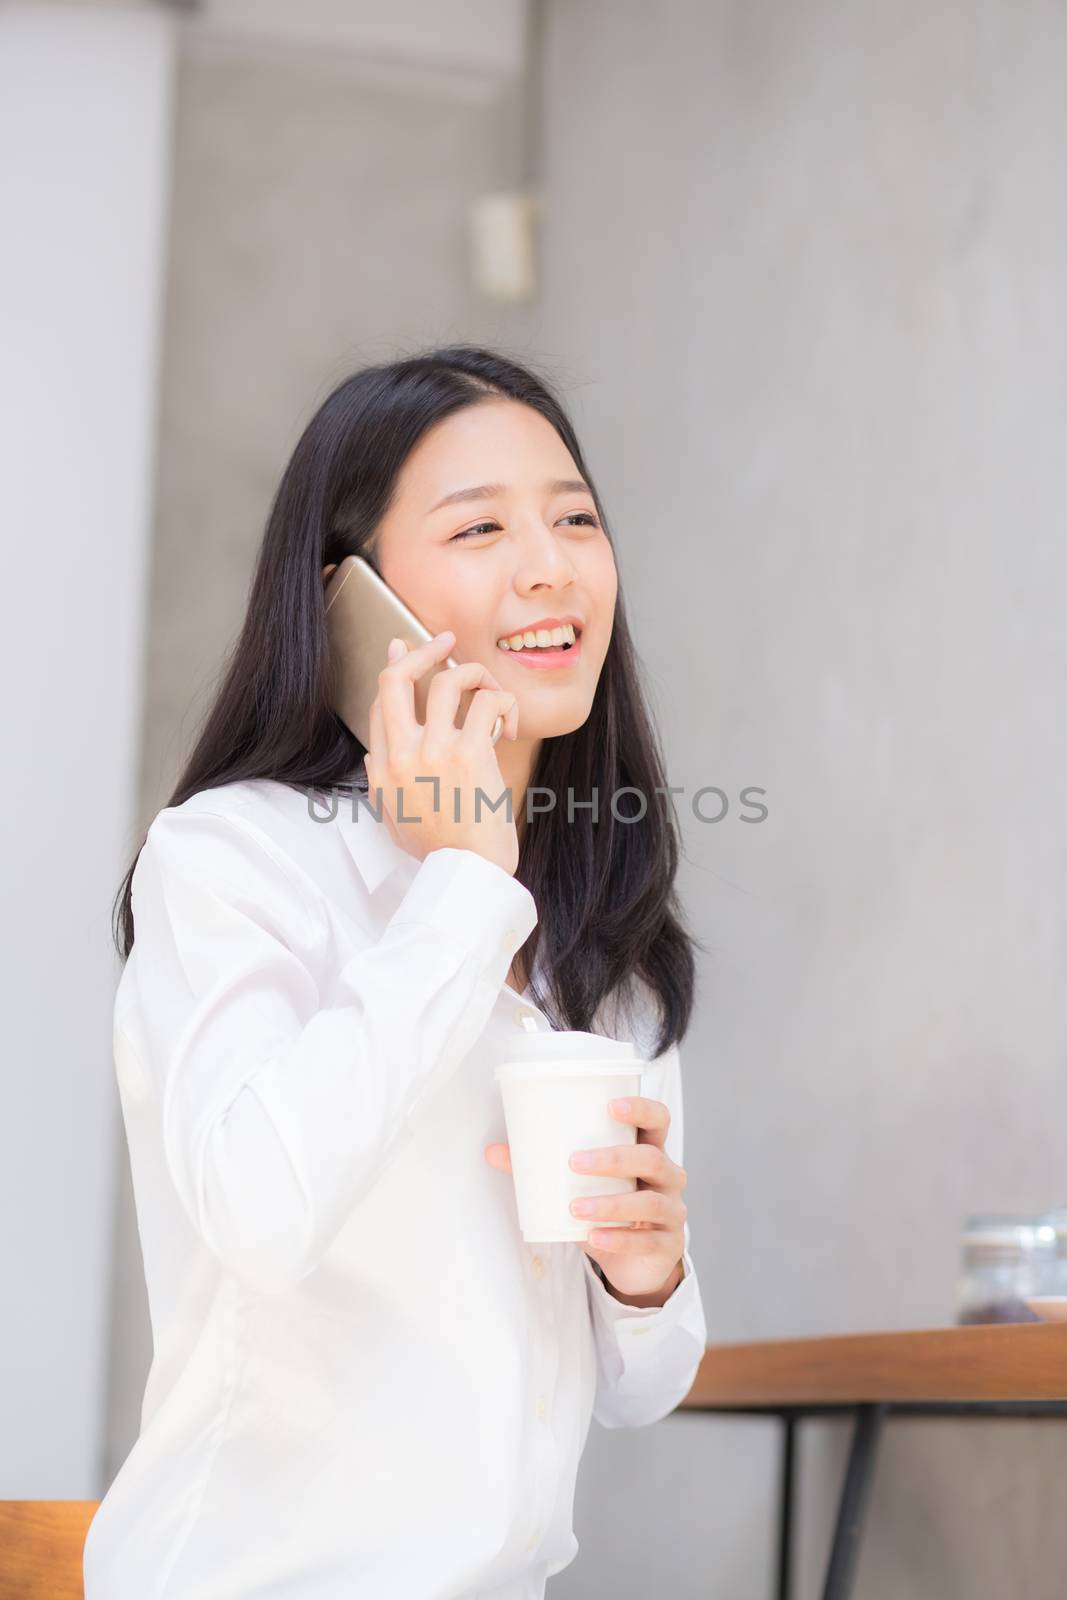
524 1014
542 1409
537 1267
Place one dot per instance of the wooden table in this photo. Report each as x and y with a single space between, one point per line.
994 1370
41 1547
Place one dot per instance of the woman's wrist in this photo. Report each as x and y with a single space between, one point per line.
647 1301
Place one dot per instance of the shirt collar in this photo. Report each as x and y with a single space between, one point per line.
373 849
375 852
370 844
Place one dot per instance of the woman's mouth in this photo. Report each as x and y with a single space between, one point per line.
544 647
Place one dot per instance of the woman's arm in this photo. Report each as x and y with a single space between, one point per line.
279 1113
647 1358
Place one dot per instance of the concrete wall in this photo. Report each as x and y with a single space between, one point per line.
84 164
803 268
806 263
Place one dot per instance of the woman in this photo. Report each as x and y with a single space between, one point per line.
365 1383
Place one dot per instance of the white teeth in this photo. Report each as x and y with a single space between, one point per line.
543 638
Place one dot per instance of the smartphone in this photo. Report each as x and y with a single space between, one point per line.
362 615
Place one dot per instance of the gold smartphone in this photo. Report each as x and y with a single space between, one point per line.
362 615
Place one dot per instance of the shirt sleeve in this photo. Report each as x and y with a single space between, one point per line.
648 1356
279 1111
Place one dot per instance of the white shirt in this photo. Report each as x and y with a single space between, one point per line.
364 1382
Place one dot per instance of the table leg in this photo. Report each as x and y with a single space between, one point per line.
785 1505
865 1437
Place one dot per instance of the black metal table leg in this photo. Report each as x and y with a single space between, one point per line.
785 1501
853 1503
869 1418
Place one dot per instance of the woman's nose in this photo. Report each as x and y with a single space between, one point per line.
542 559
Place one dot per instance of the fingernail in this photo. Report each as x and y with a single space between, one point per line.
396 648
582 1158
620 1105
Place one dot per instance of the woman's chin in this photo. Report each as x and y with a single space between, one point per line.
551 722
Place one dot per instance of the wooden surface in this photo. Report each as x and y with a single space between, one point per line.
41 1544
1008 1361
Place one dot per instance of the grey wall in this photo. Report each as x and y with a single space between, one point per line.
84 179
806 261
803 266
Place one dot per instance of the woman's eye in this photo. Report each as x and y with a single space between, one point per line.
479 527
466 533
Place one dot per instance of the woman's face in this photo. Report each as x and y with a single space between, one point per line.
517 541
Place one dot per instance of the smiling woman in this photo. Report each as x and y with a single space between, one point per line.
542 557
398 461
352 1336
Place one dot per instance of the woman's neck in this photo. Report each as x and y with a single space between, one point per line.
517 761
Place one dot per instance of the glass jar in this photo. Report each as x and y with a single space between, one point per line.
1057 1220
1006 1260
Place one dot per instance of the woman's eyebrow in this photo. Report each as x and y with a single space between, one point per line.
489 491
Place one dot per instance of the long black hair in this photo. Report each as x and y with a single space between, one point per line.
608 916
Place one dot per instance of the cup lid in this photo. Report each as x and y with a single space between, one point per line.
568 1067
547 1044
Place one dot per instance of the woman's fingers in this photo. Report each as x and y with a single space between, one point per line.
443 695
378 751
648 1207
486 706
396 691
460 761
652 1118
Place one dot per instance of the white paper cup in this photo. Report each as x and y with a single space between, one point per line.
556 1088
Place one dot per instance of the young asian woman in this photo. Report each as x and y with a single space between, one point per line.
364 1380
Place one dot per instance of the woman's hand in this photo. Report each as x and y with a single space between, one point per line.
639 1259
462 760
